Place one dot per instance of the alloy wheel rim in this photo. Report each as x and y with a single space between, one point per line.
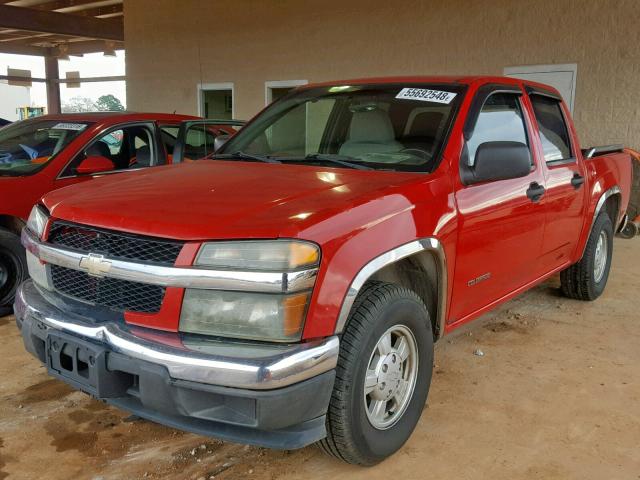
601 257
391 377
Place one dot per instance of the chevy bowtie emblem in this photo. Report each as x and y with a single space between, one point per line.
95 265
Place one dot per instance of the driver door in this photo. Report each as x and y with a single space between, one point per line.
500 224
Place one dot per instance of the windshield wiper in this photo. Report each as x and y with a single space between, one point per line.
245 156
332 158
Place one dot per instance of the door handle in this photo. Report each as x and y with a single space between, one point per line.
577 180
535 191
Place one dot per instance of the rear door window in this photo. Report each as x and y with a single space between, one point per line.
199 142
169 135
554 134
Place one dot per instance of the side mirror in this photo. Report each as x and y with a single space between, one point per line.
498 161
220 141
95 164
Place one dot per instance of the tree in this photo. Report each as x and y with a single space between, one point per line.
78 105
109 103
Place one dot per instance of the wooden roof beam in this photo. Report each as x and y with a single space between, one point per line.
18 49
60 23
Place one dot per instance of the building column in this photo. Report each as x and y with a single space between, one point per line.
52 74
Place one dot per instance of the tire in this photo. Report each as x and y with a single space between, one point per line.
587 279
13 269
633 209
381 308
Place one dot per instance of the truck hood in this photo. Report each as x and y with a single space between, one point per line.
215 199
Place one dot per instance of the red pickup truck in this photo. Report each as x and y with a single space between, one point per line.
290 289
46 153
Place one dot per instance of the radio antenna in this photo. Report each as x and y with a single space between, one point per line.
201 100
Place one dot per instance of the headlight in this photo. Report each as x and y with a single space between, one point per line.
250 315
38 271
268 255
257 316
37 221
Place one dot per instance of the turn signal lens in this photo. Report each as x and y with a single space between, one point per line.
294 308
266 255
303 254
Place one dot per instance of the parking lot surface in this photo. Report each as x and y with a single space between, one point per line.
556 395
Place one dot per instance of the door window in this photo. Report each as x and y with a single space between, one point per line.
113 140
554 134
500 120
140 147
169 135
126 147
199 142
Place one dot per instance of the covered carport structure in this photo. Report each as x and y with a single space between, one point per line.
55 29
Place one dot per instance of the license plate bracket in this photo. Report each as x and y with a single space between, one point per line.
84 365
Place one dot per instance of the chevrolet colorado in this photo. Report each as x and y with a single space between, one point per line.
290 289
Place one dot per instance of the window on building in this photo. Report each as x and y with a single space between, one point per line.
277 89
216 101
560 76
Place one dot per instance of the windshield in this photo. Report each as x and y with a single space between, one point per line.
27 146
386 127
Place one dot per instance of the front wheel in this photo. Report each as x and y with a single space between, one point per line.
13 269
383 375
587 279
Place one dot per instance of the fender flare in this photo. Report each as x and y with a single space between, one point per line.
427 244
615 190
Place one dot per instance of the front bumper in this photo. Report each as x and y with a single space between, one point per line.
256 393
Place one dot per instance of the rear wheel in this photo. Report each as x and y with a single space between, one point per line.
383 375
587 279
13 269
634 199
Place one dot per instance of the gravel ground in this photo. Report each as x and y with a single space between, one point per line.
555 396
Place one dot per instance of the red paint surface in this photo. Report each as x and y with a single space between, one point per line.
168 318
357 215
19 194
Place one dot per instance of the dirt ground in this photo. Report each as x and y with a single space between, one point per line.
555 396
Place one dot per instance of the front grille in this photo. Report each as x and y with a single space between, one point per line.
108 292
120 295
114 244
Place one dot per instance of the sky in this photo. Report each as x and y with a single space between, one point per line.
90 65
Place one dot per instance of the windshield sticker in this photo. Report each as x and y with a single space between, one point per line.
425 95
69 126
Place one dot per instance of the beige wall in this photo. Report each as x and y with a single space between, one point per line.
249 42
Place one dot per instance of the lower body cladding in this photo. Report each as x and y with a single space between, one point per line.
269 395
